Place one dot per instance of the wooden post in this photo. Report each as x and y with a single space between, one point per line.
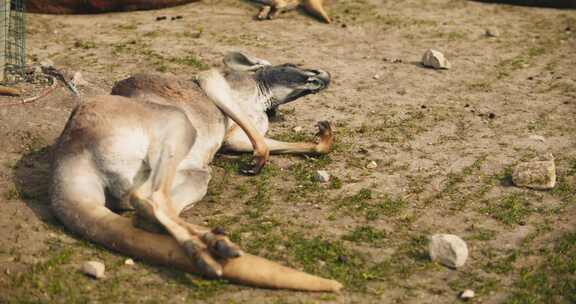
4 31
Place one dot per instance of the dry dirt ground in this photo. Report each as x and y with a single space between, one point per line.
444 141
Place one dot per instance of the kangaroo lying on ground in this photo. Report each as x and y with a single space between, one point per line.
149 145
97 6
273 8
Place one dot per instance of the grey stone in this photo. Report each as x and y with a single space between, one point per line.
322 176
372 165
94 269
467 294
297 129
448 250
539 174
129 262
435 59
538 138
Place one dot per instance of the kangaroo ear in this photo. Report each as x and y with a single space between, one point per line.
242 62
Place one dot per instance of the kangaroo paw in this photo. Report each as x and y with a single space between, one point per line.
202 259
220 246
326 137
256 166
264 13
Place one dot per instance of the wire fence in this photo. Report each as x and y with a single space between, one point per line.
12 41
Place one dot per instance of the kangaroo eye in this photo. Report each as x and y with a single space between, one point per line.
314 81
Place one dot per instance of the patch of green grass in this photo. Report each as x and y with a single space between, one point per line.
571 167
481 284
335 182
362 203
291 136
57 279
334 260
386 206
500 262
507 66
258 204
356 202
400 130
11 193
303 172
205 289
191 61
513 209
565 189
49 281
367 234
482 234
553 281
411 256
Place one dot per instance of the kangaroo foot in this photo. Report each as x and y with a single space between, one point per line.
264 13
202 259
219 245
326 137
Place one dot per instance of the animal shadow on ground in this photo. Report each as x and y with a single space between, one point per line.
32 179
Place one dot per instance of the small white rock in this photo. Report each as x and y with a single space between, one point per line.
129 262
322 176
372 165
539 174
297 129
448 250
538 138
467 294
435 59
94 269
376 76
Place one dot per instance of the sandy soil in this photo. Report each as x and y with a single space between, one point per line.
444 141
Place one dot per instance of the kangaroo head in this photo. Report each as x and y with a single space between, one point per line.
277 84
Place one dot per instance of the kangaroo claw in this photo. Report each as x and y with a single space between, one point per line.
326 137
324 128
255 167
221 246
202 260
264 13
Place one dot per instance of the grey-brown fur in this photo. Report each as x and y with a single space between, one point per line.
150 146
